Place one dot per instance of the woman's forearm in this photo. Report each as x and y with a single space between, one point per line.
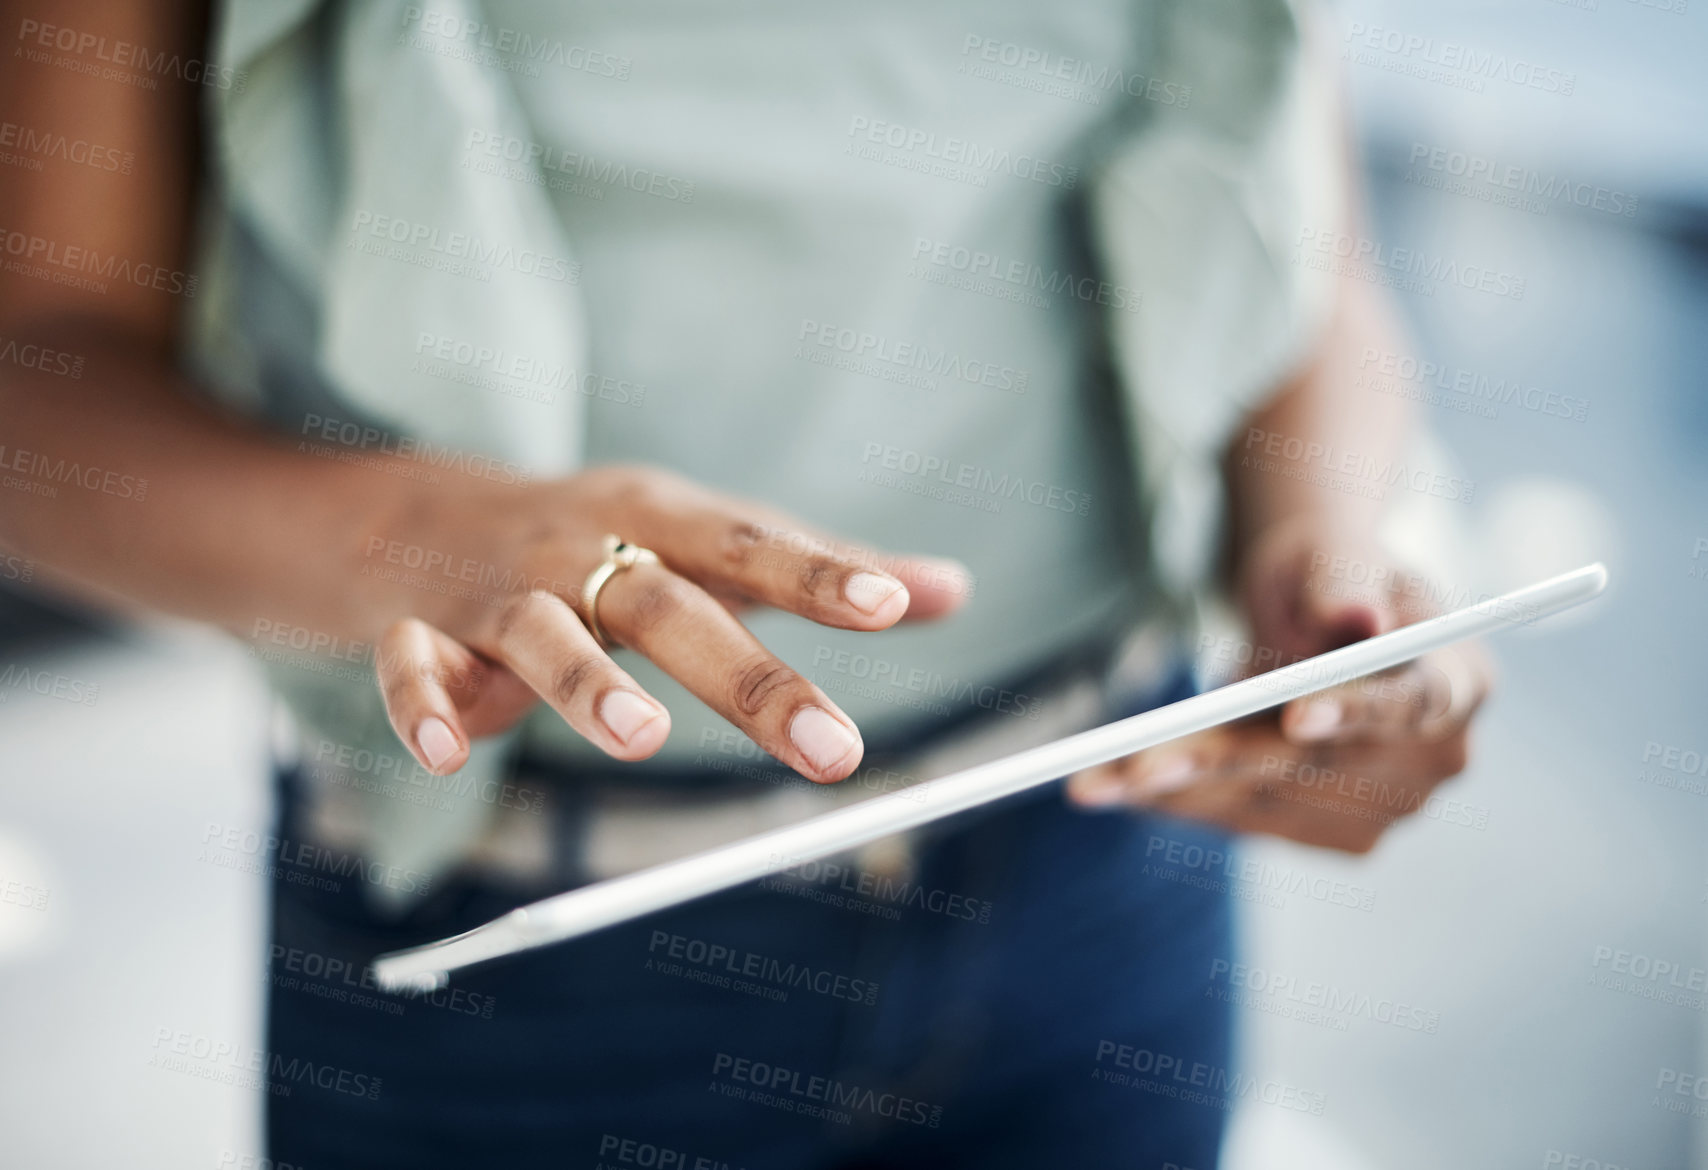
124 482
1316 451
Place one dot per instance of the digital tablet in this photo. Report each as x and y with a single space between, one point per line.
594 907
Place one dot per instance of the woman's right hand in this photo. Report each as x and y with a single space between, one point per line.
472 661
238 526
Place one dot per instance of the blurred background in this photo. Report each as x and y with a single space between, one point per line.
1547 935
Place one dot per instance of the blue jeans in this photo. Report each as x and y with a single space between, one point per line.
1031 995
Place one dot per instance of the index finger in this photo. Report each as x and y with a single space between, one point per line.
735 547
658 613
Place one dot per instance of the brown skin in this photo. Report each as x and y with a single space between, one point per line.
237 527
1393 741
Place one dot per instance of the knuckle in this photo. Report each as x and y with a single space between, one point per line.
819 575
647 491
513 615
616 494
574 676
644 495
649 605
740 542
756 683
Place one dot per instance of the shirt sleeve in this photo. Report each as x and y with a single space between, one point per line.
1200 208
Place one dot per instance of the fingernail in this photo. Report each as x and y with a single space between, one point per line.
436 740
1168 776
821 738
624 713
867 591
1320 720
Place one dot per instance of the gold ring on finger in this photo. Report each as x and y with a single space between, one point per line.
618 556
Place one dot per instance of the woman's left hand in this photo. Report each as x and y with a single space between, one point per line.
1335 768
